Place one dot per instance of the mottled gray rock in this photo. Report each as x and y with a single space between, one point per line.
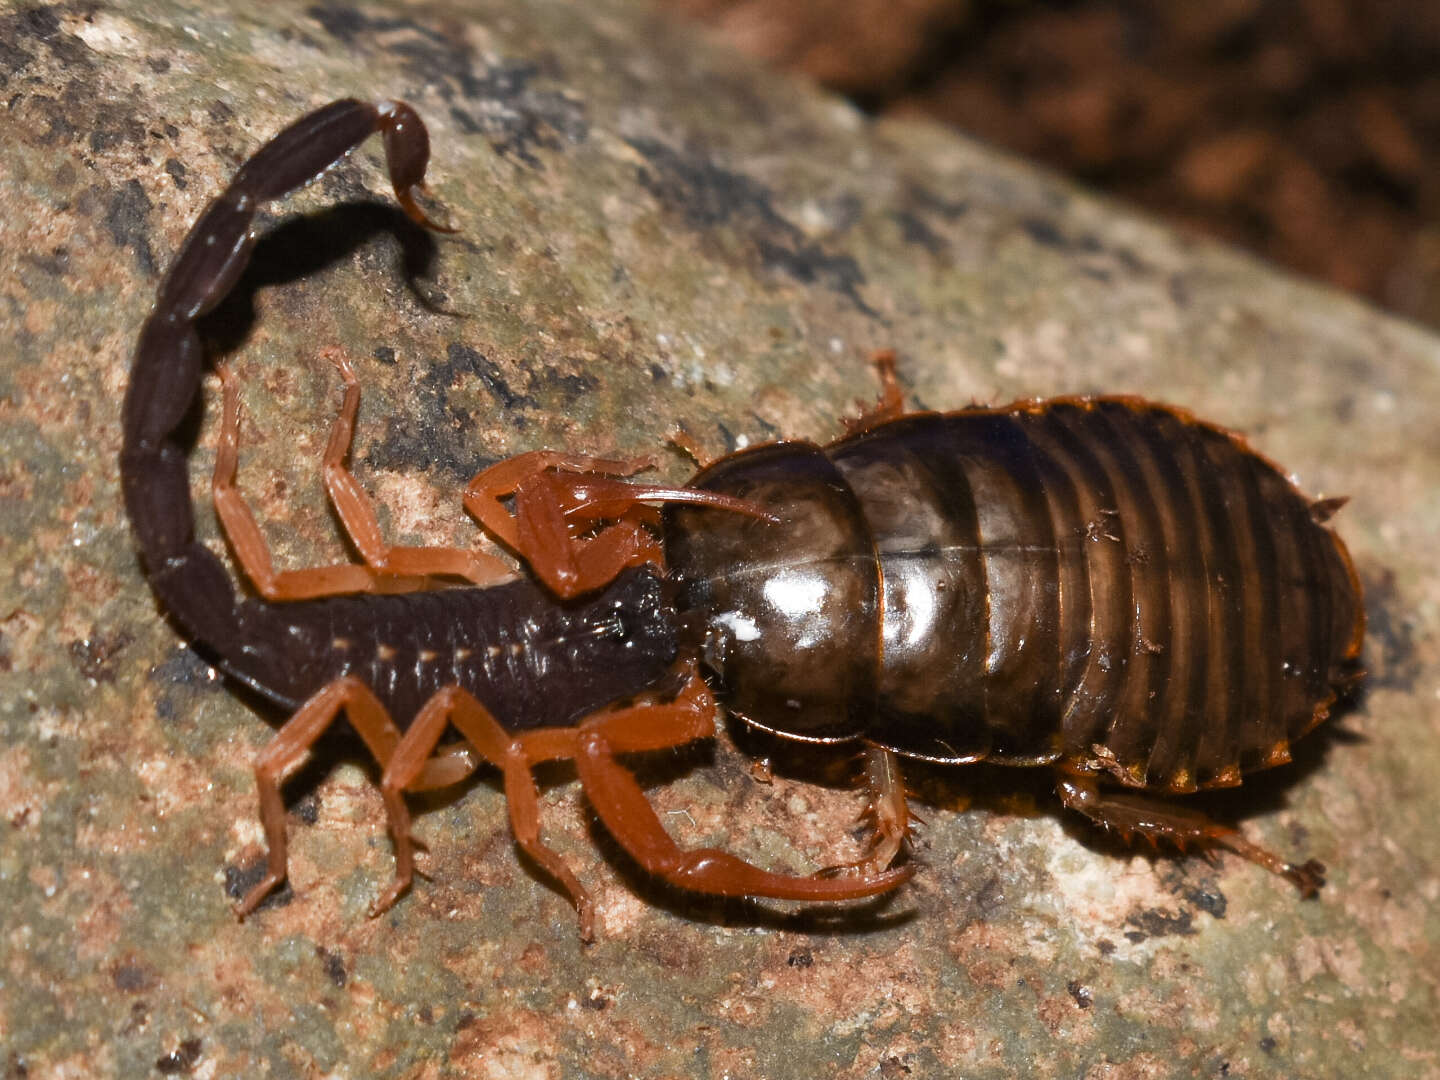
653 233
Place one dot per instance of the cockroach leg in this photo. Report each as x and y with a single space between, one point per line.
689 445
450 765
630 818
888 810
558 500
287 750
891 403
1134 814
888 813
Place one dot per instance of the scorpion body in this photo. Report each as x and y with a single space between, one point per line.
404 647
1105 586
522 670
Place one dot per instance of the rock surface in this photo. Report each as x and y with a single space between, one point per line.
653 233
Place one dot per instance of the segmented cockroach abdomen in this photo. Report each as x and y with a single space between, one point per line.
1100 579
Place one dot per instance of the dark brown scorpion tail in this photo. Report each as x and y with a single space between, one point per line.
165 379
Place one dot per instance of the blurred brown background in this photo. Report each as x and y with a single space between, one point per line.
1305 130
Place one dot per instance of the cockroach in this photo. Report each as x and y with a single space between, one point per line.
1104 586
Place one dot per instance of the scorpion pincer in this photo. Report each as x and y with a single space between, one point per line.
1104 586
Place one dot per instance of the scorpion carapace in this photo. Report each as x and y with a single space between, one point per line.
1104 586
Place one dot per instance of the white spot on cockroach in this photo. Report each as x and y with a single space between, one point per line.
742 627
797 599
384 653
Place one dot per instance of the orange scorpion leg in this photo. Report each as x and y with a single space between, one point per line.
386 568
514 754
630 818
292 743
610 788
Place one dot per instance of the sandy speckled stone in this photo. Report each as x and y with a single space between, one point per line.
653 232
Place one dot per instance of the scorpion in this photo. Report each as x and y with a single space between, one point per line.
1104 586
